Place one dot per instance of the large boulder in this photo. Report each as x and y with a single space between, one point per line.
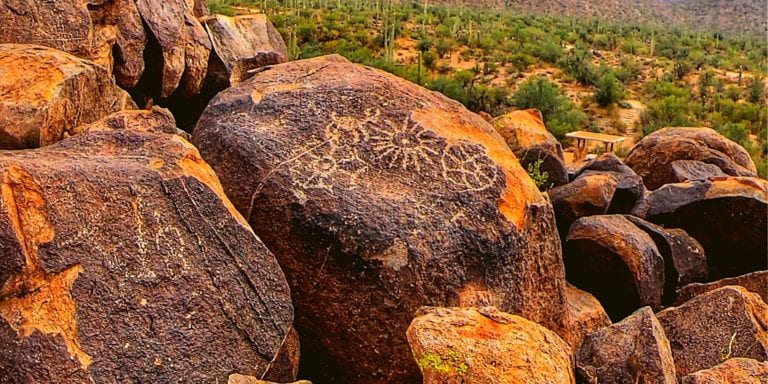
46 94
727 216
526 135
584 315
634 350
611 258
756 282
653 157
715 326
486 346
379 197
738 370
123 261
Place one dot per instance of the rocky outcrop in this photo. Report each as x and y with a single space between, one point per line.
732 371
46 94
653 157
728 217
756 282
122 260
285 367
584 315
526 135
468 345
379 197
634 350
691 170
611 258
588 195
715 326
684 259
241 44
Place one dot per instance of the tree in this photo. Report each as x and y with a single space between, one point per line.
560 114
608 89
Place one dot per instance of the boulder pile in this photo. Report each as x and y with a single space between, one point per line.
328 221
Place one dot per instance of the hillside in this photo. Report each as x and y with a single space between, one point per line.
739 16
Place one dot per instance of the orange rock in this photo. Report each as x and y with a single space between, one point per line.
756 282
46 94
733 371
484 345
584 315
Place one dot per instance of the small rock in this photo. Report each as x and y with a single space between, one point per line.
738 370
236 378
586 196
690 170
584 315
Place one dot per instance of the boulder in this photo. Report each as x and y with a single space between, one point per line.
379 197
629 186
733 371
158 120
727 216
634 350
616 261
653 156
46 94
690 170
285 367
484 345
715 326
588 195
684 259
584 315
756 282
526 135
242 44
127 50
236 378
123 261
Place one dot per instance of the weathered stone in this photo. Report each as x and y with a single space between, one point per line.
690 170
616 261
157 120
196 54
236 378
45 94
526 135
584 315
586 196
123 261
733 371
285 367
684 259
242 44
653 156
715 326
629 186
469 345
379 197
634 350
728 217
756 282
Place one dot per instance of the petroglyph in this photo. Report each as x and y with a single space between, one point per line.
351 146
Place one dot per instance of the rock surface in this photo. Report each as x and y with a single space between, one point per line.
732 371
634 350
379 197
526 135
468 345
614 260
653 156
236 378
584 315
46 94
588 195
122 261
629 186
715 326
691 170
756 282
728 217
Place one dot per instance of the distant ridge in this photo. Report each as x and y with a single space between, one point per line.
727 16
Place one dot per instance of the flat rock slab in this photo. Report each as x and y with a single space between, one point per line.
634 350
122 261
46 94
378 197
715 326
486 346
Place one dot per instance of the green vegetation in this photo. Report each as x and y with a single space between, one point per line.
448 364
490 61
539 177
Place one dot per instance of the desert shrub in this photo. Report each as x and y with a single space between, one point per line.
608 89
560 114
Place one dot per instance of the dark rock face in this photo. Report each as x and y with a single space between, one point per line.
617 262
684 259
634 350
710 328
733 371
123 261
653 157
728 217
756 282
526 135
690 170
46 94
588 195
379 197
584 315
